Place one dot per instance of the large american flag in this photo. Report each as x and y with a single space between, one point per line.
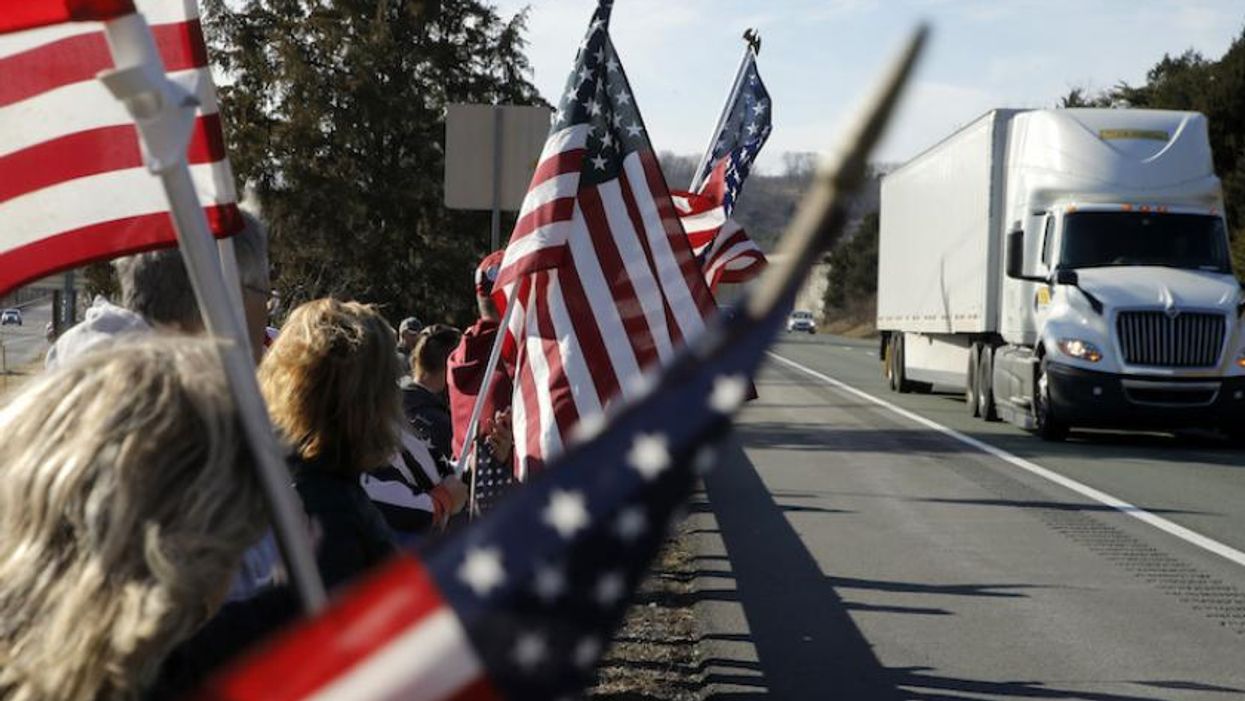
725 252
598 268
73 188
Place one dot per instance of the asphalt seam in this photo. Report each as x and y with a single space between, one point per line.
1189 536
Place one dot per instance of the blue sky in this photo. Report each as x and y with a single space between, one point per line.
820 56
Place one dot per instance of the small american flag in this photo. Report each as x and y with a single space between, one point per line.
725 252
73 188
598 269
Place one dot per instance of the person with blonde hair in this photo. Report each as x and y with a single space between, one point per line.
128 497
331 383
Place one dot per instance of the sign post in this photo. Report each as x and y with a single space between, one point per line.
491 152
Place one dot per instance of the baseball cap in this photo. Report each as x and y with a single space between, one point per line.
410 325
486 273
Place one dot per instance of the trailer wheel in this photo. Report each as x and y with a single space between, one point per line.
901 382
986 408
1048 426
970 381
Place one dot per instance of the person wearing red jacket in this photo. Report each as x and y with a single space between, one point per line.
467 364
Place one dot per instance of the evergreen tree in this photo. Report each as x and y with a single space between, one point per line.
334 112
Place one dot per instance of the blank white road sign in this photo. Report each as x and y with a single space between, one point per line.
469 149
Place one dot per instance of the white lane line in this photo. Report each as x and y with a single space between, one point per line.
1194 538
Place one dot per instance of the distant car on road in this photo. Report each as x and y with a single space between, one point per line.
801 321
11 316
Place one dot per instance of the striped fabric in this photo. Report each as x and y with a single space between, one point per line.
724 249
402 490
725 252
73 188
604 284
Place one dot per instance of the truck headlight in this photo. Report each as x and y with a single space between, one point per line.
1081 350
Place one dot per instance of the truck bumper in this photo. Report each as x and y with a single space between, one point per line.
1106 400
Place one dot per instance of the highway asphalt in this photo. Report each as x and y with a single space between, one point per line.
855 550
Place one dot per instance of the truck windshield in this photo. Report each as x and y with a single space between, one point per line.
1095 239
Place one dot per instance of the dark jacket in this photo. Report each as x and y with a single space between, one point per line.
429 415
234 629
352 536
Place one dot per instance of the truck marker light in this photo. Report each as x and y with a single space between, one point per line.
1081 350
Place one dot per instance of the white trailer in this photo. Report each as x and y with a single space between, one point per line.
1065 268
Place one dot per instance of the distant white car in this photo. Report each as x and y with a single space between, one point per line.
801 321
11 316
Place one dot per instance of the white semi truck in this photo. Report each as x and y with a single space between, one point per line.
1065 268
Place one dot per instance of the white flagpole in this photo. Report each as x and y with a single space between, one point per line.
164 114
752 46
474 423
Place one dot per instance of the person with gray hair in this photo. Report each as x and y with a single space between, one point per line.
156 292
129 496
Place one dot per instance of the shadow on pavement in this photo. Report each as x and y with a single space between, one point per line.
806 644
820 437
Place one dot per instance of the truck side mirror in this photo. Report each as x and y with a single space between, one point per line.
1067 277
1016 254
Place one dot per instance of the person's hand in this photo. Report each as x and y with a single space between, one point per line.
457 491
500 438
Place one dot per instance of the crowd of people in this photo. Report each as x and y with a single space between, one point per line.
136 551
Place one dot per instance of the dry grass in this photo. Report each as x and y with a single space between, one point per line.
654 655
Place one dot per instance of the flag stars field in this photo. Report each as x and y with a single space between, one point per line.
610 589
482 570
728 394
567 513
631 524
650 456
550 584
530 651
587 651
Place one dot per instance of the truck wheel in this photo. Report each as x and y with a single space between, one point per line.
986 408
970 382
902 385
888 362
1048 426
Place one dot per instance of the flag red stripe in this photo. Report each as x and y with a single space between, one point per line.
526 387
308 656
625 298
678 242
583 320
95 151
102 241
565 413
568 161
561 209
16 15
637 222
549 257
80 57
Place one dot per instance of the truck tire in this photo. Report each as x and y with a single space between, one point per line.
970 382
986 408
888 362
1046 424
902 385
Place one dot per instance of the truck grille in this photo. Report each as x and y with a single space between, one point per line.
1188 340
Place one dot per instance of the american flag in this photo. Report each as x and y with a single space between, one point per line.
725 251
73 188
598 269
522 604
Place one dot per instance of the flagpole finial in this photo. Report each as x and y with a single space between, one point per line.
754 40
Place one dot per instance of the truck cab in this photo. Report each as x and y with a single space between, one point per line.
1120 307
1066 268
